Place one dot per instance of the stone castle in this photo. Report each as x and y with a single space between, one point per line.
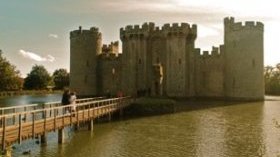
163 61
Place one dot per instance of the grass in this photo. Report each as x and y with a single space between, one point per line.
151 106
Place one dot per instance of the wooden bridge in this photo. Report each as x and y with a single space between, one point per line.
31 121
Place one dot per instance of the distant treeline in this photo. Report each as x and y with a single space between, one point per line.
272 79
38 78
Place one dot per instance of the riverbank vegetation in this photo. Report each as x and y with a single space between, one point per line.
151 106
28 92
38 78
272 79
9 76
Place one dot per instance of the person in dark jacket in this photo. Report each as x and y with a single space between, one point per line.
65 99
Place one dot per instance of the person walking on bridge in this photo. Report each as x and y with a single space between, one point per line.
72 101
65 99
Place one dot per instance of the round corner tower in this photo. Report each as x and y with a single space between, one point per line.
85 45
244 53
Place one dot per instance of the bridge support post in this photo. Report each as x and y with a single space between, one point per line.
60 136
7 151
44 139
109 116
121 112
90 125
76 127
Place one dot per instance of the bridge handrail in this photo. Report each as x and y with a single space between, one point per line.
30 124
78 100
62 107
49 104
15 107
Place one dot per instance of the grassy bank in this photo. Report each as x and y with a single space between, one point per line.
151 106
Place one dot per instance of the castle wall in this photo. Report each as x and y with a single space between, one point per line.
209 73
244 60
234 70
141 64
175 67
168 49
157 53
179 59
109 71
84 47
136 70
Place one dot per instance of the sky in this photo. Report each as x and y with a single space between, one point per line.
37 31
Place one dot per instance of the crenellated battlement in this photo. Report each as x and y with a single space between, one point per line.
83 32
228 20
110 56
215 52
147 29
231 25
183 28
176 27
136 31
206 54
113 47
147 26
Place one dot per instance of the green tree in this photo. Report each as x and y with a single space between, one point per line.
9 76
272 79
38 78
60 78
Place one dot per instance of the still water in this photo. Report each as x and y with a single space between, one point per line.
204 129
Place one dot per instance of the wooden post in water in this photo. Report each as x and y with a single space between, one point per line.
60 136
44 139
14 117
121 112
90 125
121 108
97 111
54 119
33 125
44 136
109 116
19 129
25 115
4 135
2 113
77 119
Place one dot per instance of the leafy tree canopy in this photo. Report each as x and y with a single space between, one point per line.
61 78
9 77
272 79
38 78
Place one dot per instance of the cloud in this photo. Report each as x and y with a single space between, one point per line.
159 6
36 57
53 36
205 31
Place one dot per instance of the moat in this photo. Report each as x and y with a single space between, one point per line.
201 129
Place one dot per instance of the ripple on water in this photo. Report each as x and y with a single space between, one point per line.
239 130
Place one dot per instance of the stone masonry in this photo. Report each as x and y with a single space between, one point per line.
163 61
